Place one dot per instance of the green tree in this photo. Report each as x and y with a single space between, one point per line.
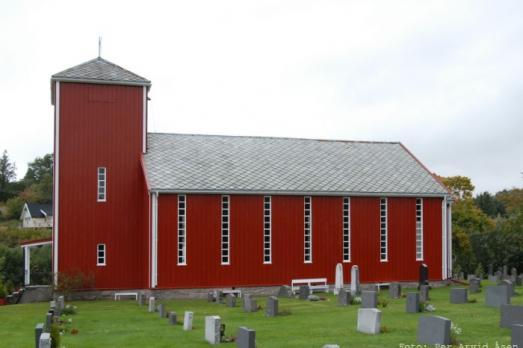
39 168
14 207
7 175
511 199
460 186
489 204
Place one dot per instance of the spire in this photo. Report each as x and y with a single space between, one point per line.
99 46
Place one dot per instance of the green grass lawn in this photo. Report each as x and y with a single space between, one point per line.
309 324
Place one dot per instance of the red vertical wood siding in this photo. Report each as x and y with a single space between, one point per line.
203 267
101 126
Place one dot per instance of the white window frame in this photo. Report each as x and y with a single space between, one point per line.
419 229
101 179
346 240
384 244
267 230
307 229
101 260
182 230
225 244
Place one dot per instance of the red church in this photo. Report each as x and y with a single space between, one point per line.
142 210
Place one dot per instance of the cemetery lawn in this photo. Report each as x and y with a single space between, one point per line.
309 324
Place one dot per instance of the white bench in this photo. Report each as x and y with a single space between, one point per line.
313 283
379 285
118 295
236 292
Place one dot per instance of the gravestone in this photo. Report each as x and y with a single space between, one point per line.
369 320
505 272
369 299
496 277
187 321
249 303
471 276
141 299
285 291
48 321
458 296
152 304
355 281
219 296
338 284
508 284
60 304
372 287
395 290
496 296
246 338
305 291
424 293
271 308
412 305
161 310
212 329
517 335
474 285
344 297
230 300
39 328
518 280
52 305
433 330
172 318
210 297
513 274
45 340
423 275
510 315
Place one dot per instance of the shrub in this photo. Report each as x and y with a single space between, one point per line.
68 282
383 303
55 336
14 207
69 310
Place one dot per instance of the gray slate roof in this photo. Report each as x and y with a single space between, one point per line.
99 70
36 210
209 163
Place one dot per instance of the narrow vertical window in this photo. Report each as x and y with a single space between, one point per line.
419 229
307 230
384 256
225 231
182 237
267 234
100 255
102 184
346 229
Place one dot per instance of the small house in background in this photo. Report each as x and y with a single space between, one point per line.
36 215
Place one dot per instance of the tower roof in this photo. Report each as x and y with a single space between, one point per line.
99 70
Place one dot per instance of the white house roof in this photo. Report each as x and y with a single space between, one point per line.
229 164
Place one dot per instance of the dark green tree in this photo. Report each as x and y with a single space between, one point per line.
7 175
38 169
489 204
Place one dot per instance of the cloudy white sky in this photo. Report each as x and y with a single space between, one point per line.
443 77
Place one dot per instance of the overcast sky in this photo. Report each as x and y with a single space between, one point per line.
443 77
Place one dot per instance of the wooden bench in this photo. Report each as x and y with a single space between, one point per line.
313 283
118 295
236 292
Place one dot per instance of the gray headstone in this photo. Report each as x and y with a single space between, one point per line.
141 299
212 329
458 295
271 308
412 305
369 320
433 330
210 297
60 303
423 274
285 291
45 340
496 278
355 281
510 315
48 321
474 285
219 296
496 296
424 293
187 321
230 300
305 291
246 338
249 303
517 335
161 310
513 274
39 328
395 290
344 297
505 271
509 286
152 304
518 280
52 304
369 299
172 318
